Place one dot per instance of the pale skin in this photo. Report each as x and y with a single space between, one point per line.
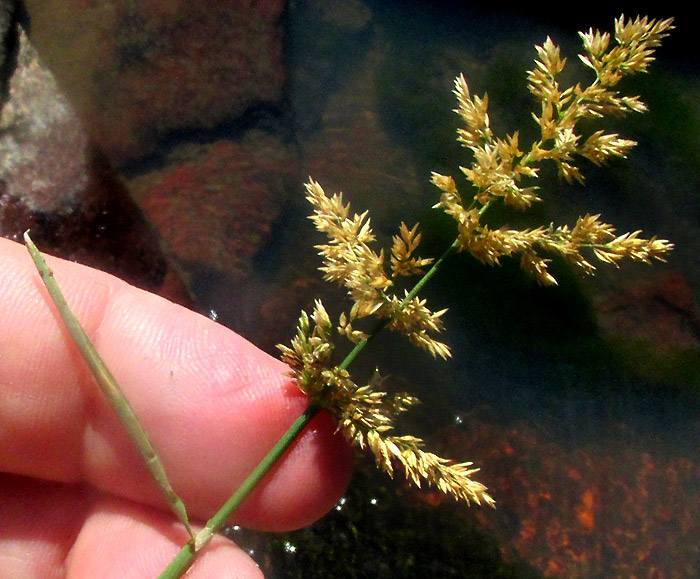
75 498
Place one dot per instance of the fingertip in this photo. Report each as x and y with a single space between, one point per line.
305 484
215 405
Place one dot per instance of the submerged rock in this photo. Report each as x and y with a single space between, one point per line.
603 510
658 309
137 71
54 182
215 203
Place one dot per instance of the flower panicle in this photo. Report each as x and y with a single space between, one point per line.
419 466
402 260
501 172
636 40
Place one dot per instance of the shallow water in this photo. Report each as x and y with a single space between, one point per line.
584 422
580 403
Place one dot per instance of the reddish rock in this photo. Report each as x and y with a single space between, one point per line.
137 71
601 511
216 203
660 309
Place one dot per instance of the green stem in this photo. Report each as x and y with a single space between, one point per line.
430 273
187 555
109 386
381 324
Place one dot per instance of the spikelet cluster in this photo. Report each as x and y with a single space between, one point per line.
502 172
349 260
366 414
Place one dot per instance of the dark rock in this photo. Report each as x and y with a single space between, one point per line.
658 309
8 45
54 182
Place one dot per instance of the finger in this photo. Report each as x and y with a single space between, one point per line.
125 539
39 521
53 530
212 403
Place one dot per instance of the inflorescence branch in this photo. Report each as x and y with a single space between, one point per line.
499 172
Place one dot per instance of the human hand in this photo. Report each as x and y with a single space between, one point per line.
75 497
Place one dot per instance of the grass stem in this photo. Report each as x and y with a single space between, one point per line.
109 386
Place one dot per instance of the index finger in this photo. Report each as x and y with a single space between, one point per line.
213 404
